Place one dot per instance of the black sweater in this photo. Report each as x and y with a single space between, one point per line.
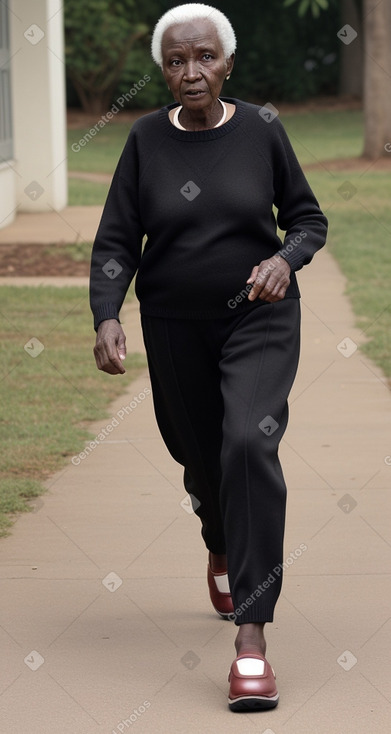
205 201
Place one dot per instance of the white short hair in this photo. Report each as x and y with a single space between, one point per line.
193 11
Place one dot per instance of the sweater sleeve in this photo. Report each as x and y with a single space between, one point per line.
117 247
299 214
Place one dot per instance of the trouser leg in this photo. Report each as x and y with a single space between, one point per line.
258 366
185 378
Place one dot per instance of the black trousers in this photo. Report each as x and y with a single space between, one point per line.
220 391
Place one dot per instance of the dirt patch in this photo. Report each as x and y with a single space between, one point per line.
358 165
80 119
32 260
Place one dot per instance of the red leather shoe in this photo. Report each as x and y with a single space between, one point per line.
220 594
252 683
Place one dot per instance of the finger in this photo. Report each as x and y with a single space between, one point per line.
260 287
113 368
269 291
107 359
273 299
253 275
114 365
121 348
264 274
276 294
258 284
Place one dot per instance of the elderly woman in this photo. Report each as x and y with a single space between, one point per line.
220 311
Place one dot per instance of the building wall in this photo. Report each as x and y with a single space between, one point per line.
36 179
7 176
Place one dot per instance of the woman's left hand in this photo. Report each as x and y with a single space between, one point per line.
270 279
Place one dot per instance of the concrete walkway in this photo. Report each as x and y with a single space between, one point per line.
72 224
105 622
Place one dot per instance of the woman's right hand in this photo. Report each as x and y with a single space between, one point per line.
110 348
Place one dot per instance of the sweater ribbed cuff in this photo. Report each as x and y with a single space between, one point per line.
294 256
103 312
258 612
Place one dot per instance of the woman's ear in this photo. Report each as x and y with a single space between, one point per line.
230 65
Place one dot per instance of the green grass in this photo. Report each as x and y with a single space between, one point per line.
359 237
324 135
77 251
80 251
86 193
101 153
47 401
360 228
315 136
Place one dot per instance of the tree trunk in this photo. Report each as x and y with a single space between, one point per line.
352 56
387 11
96 97
377 82
92 102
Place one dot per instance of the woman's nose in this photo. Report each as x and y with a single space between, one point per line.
192 71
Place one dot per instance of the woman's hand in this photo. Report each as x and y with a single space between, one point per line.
270 279
110 347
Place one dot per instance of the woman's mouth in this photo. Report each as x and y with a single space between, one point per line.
195 93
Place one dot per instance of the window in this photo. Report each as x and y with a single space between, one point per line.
5 88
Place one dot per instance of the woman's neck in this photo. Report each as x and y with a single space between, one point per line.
206 119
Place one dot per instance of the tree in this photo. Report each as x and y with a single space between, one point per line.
377 78
352 56
99 36
377 70
315 6
281 57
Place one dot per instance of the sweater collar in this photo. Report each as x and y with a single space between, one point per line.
202 135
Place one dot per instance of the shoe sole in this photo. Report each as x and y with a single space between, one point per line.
253 703
228 616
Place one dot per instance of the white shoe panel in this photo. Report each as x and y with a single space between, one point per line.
222 583
251 666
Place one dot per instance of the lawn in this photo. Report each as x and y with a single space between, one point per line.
324 135
359 239
48 396
86 193
315 135
101 152
356 203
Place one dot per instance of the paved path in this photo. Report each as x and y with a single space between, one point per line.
105 619
72 224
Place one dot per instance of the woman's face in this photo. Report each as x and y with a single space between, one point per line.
194 65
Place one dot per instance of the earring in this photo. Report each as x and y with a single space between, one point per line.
228 77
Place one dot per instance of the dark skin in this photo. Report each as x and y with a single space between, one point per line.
194 61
